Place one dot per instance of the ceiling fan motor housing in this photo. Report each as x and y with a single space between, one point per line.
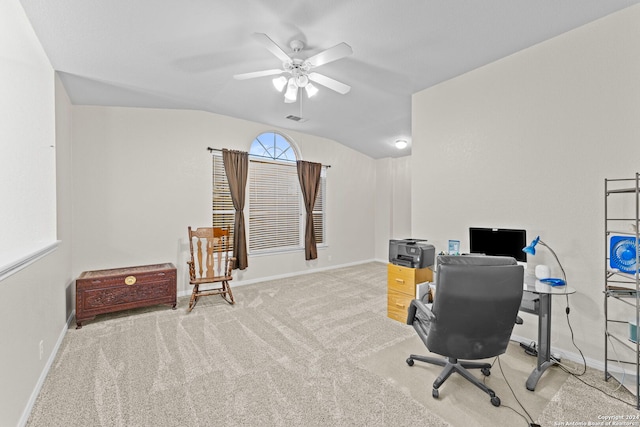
296 45
299 70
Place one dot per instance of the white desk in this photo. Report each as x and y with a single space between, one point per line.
544 292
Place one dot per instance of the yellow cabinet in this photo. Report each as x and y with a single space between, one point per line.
401 288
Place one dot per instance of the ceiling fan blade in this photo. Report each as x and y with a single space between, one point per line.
255 74
330 83
332 54
272 47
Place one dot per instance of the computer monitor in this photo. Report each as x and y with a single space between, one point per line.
498 242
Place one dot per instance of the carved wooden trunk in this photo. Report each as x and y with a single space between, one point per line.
106 291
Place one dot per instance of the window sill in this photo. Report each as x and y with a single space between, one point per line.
9 267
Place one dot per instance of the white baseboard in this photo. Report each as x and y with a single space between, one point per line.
568 355
45 371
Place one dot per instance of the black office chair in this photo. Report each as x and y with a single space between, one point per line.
474 310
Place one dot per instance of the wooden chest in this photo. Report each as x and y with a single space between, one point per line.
106 291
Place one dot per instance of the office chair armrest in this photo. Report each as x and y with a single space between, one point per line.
419 306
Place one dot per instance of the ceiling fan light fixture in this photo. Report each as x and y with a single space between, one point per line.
279 83
291 95
311 90
302 80
401 143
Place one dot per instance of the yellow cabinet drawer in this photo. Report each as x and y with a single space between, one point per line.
398 305
404 279
404 283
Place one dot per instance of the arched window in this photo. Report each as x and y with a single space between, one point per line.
275 206
274 146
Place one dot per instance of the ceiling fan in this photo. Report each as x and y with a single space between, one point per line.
299 70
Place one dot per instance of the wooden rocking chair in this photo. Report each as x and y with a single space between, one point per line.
213 264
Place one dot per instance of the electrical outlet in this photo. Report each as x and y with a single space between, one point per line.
41 348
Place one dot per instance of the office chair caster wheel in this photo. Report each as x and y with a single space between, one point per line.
495 401
410 361
485 371
435 393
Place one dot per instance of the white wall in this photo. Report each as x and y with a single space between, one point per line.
64 195
27 162
401 201
141 176
393 203
36 298
527 142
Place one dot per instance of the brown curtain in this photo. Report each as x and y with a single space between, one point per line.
309 177
236 165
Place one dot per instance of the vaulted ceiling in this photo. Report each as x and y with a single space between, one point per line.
184 53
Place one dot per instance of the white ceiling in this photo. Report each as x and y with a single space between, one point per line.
183 54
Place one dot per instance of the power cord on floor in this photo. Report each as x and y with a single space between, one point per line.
531 350
528 418
605 392
602 391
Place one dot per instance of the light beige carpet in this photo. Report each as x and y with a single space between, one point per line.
313 350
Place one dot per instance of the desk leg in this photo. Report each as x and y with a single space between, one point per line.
544 342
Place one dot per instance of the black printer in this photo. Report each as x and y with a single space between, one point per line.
413 253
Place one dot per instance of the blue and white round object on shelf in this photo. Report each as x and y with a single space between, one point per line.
622 254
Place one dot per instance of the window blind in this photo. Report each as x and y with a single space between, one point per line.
319 210
274 207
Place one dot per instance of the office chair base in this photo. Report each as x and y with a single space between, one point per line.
495 400
452 365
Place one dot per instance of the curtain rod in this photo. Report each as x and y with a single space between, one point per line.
211 150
